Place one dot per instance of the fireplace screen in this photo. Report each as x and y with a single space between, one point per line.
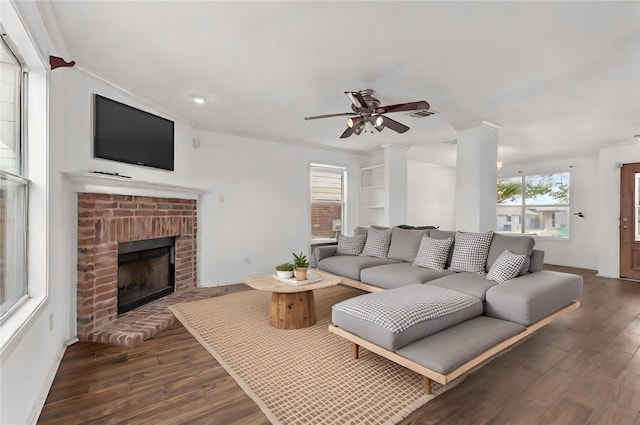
146 272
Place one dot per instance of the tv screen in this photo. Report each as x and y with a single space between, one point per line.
126 134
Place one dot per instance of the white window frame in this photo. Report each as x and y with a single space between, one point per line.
332 169
523 206
35 168
20 276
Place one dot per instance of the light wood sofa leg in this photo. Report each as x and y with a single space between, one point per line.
355 348
427 385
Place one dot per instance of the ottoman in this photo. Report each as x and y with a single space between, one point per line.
397 317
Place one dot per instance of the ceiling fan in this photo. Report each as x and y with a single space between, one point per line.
367 109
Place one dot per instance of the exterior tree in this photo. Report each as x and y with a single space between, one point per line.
511 189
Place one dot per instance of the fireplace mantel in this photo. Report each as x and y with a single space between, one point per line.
89 182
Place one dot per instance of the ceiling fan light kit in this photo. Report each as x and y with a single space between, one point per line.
367 109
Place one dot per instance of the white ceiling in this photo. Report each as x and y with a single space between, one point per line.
562 78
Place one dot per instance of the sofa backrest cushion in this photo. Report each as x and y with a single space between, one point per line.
360 230
470 252
444 234
537 261
378 242
517 244
405 244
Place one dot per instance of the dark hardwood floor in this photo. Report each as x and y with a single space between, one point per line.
582 369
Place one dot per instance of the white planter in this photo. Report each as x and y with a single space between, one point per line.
284 274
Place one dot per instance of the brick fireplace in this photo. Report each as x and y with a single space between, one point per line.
105 221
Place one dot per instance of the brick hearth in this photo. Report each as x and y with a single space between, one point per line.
105 220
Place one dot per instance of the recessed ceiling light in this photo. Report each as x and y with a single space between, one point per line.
199 99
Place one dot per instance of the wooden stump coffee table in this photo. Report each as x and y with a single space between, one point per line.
292 306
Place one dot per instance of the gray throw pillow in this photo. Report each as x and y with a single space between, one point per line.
506 267
433 253
377 244
351 245
470 252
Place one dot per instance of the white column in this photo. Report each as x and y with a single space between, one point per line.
476 178
395 176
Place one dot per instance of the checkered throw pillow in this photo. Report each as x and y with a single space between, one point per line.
351 245
470 252
433 253
378 242
506 267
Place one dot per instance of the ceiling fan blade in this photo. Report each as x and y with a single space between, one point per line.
395 125
411 106
348 132
342 114
357 99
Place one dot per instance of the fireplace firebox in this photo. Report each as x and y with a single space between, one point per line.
146 271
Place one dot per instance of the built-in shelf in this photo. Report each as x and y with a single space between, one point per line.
372 195
89 182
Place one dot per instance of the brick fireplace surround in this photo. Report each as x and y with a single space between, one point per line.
104 220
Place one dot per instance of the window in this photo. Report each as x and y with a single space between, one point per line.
542 211
13 185
327 202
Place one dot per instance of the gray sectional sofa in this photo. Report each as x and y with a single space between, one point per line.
439 311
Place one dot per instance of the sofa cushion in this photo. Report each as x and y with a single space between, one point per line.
529 298
350 265
396 317
360 230
452 347
320 252
405 243
444 234
518 244
378 242
537 261
506 267
351 245
433 253
468 283
470 252
399 274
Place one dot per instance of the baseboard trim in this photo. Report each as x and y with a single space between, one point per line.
44 390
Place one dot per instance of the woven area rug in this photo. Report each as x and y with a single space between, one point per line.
304 376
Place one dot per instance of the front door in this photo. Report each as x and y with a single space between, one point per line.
630 221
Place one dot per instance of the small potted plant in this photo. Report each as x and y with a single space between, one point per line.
284 270
300 265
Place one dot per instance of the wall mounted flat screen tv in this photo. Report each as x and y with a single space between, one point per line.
126 134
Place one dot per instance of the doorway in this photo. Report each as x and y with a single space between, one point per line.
630 221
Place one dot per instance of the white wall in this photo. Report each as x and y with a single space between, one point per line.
265 213
608 190
33 337
431 195
581 249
